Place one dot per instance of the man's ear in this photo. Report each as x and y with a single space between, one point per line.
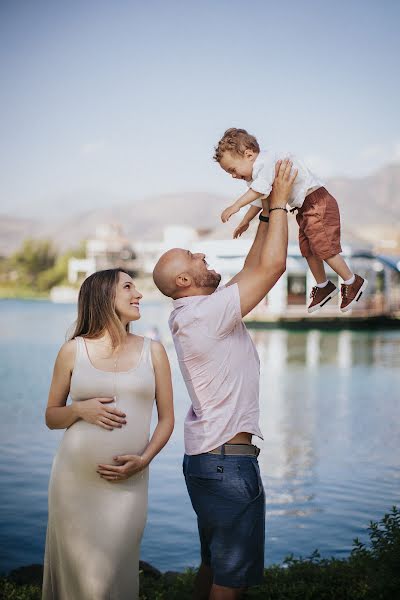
183 280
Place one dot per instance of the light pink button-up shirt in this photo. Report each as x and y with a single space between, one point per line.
220 366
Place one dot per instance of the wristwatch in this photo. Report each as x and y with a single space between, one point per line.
263 219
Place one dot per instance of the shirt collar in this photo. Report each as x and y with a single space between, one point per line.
179 302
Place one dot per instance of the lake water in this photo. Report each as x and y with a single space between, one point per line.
329 413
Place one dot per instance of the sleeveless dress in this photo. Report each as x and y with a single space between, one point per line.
95 526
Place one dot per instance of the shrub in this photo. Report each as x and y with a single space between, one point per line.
371 572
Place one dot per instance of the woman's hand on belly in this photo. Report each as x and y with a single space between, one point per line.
96 411
126 466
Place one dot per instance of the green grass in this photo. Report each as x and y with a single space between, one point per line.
371 572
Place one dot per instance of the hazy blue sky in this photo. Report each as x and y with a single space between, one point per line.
103 102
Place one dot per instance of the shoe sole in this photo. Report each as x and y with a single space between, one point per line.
356 299
321 304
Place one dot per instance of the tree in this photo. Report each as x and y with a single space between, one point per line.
58 273
34 257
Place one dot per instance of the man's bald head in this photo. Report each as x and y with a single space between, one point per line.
181 273
171 264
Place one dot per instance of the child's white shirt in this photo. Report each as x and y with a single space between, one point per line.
263 176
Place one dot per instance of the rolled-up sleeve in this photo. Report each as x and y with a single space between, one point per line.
220 312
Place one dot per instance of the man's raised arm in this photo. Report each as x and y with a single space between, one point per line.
266 260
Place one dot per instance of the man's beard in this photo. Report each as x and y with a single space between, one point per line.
209 279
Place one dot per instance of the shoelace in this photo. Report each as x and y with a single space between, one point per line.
345 289
314 292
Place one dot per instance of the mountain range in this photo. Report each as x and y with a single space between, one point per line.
370 212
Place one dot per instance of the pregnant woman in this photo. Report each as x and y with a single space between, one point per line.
99 480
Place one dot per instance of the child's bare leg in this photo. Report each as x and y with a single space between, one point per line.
338 264
317 268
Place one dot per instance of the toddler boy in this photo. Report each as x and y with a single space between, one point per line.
238 153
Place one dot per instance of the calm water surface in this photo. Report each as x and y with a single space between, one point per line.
329 413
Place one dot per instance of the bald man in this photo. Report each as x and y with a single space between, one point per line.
220 366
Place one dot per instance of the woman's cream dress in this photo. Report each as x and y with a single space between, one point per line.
95 526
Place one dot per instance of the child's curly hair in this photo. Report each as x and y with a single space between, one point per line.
235 141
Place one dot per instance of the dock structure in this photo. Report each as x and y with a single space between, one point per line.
286 304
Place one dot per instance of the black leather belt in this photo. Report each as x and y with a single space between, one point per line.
236 450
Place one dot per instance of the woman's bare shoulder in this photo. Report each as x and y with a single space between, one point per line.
157 350
67 352
134 339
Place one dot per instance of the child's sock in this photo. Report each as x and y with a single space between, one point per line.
322 285
349 281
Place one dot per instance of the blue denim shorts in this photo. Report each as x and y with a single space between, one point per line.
228 498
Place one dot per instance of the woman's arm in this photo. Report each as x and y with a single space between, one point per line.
60 416
129 464
164 401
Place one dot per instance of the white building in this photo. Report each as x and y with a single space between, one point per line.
108 249
290 296
287 299
174 236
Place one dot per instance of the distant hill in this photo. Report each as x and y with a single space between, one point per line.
367 204
13 230
143 219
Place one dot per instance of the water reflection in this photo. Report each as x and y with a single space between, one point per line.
329 412
310 413
314 348
288 425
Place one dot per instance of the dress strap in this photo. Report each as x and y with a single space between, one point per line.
79 350
146 353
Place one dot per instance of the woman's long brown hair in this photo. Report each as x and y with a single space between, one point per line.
96 308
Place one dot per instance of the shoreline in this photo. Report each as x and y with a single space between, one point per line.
145 286
369 572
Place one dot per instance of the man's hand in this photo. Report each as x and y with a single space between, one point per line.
283 183
266 260
127 465
228 212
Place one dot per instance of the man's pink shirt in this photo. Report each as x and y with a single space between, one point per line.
220 366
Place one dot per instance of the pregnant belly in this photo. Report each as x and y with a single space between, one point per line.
85 445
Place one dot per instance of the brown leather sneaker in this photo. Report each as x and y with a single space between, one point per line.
321 296
352 293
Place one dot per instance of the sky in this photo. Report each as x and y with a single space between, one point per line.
104 102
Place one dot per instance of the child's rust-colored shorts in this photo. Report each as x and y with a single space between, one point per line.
319 225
